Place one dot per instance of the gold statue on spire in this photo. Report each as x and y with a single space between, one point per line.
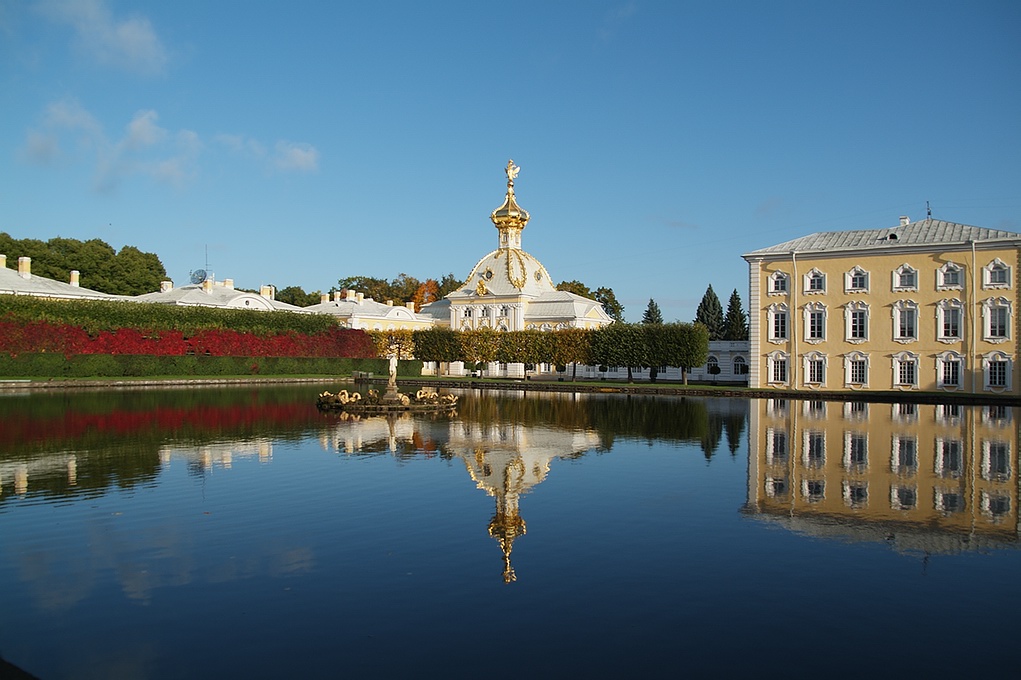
512 172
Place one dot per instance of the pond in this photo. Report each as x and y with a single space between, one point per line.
237 531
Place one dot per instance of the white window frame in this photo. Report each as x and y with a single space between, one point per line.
895 501
941 362
811 275
896 447
997 357
987 275
943 309
809 310
903 360
991 306
846 489
810 359
942 448
772 359
849 277
774 278
849 310
774 457
901 309
809 461
941 277
849 438
987 462
898 273
771 314
849 360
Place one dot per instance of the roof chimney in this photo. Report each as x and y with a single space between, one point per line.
338 295
3 261
389 303
228 283
349 294
25 267
359 298
410 305
324 298
267 292
207 286
74 277
904 220
166 286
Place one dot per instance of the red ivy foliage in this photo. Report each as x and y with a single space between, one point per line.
43 336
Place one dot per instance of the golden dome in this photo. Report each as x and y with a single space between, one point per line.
510 215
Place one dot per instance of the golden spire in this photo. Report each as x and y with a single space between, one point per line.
510 218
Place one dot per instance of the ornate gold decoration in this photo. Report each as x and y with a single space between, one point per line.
517 279
480 289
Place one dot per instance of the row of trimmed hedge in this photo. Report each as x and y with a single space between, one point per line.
141 365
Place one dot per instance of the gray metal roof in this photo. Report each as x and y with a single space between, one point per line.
13 283
923 232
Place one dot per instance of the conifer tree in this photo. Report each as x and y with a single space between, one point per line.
710 314
652 313
735 324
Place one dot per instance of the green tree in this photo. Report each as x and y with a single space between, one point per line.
608 300
576 287
621 344
479 345
437 344
447 285
735 323
652 313
710 314
572 346
296 295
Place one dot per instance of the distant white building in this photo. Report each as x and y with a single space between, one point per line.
211 293
354 310
23 282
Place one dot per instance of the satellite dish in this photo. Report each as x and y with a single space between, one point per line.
198 276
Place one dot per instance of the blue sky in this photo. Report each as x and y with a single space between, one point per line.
303 142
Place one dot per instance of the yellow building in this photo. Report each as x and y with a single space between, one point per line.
932 478
927 305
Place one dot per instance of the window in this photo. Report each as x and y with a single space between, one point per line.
856 281
996 315
778 282
776 487
467 312
484 312
814 490
856 451
814 456
905 277
905 412
948 501
777 366
903 497
995 505
905 369
996 415
949 369
815 322
814 408
856 369
996 370
815 282
949 315
949 277
996 274
995 461
777 322
776 446
905 321
856 494
856 321
740 366
815 369
904 458
856 410
949 458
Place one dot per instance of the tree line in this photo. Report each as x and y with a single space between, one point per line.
635 346
730 326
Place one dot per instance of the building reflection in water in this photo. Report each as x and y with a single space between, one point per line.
506 460
923 478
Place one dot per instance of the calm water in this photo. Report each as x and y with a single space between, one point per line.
238 532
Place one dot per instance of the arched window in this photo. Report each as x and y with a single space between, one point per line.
949 370
996 274
905 277
740 366
997 368
778 283
949 277
815 368
776 366
815 281
856 281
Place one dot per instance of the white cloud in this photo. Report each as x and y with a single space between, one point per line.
296 156
130 44
144 148
240 144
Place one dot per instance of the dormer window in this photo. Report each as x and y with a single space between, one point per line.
996 275
905 277
949 277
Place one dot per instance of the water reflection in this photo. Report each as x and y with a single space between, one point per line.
922 478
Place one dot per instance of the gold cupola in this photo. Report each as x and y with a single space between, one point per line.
510 218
